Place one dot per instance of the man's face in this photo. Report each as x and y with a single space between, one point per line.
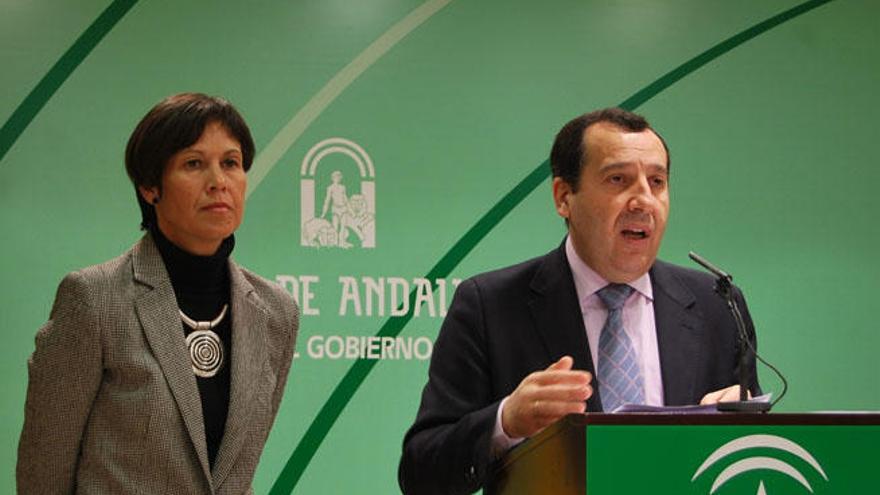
617 216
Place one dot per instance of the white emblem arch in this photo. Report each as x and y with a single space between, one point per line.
759 462
351 216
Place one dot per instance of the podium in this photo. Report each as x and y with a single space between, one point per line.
718 454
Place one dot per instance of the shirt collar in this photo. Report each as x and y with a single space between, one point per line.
587 282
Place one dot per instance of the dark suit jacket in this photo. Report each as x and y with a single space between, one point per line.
113 406
506 324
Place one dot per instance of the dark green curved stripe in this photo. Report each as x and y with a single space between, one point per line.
716 51
49 84
345 390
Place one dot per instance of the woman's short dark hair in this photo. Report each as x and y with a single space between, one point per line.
175 123
569 154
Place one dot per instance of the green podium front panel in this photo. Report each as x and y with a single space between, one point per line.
732 459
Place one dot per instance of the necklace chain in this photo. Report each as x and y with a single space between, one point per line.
203 325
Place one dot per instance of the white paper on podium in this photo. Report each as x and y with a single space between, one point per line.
696 409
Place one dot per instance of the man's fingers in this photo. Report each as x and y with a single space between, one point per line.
564 363
553 377
560 372
728 394
550 411
710 398
562 392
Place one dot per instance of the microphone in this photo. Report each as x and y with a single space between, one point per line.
718 272
724 288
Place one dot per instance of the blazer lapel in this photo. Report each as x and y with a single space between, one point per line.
249 367
557 316
678 324
157 310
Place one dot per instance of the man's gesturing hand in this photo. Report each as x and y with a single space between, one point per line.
544 397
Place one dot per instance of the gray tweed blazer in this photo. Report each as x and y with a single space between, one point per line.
112 403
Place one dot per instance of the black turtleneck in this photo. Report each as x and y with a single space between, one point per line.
201 286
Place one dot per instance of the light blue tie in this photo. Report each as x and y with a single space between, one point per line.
620 378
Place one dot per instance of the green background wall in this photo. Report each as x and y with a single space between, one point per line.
773 139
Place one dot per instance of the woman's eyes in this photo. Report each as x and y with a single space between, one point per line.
196 163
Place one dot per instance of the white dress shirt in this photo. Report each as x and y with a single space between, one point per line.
638 321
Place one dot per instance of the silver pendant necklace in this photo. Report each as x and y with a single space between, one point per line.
205 347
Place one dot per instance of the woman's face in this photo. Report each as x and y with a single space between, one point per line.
202 197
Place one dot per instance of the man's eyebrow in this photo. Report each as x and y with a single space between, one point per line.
614 166
656 167
652 167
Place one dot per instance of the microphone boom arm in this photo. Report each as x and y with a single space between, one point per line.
724 288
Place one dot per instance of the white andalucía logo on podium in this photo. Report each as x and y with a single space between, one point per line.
759 462
346 218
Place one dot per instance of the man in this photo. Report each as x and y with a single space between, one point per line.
594 324
337 195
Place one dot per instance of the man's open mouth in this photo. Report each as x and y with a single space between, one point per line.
635 233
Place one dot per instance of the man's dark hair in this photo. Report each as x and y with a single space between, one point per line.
175 123
569 155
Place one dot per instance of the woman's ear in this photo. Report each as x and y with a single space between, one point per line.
150 194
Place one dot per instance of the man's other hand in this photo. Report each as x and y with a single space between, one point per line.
729 394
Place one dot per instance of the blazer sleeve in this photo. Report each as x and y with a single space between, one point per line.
64 374
447 450
290 324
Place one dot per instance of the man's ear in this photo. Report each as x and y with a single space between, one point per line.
150 194
562 192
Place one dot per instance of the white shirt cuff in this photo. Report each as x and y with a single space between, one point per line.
501 443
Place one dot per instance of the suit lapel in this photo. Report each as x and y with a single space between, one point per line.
249 367
557 316
678 324
157 311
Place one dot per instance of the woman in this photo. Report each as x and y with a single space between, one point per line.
161 371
